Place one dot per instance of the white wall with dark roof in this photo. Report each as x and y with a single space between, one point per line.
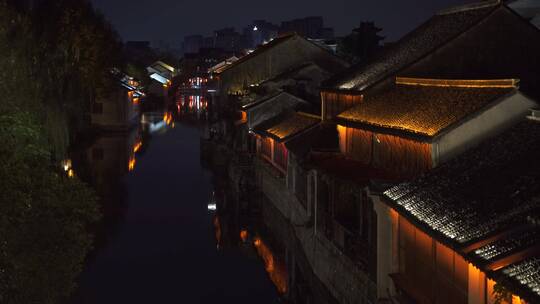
494 119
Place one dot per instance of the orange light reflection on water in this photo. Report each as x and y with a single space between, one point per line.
137 147
276 271
217 226
131 164
243 235
167 118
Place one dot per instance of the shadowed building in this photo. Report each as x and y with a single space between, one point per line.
487 40
451 235
274 133
440 91
161 75
274 58
419 123
118 109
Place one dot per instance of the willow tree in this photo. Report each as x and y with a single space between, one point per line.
76 50
44 215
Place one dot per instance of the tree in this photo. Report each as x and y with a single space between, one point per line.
44 217
50 69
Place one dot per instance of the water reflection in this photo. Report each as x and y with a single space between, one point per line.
276 270
103 162
193 107
158 243
229 236
246 221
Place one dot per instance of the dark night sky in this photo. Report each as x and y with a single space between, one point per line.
170 20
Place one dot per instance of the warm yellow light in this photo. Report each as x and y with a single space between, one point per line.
131 164
167 118
137 147
243 235
278 275
71 173
459 83
66 164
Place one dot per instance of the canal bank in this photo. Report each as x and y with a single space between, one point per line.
259 217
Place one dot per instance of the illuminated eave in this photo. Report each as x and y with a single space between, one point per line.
459 83
401 131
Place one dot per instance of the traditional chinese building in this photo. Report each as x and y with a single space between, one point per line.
161 75
468 231
118 108
442 90
417 124
485 40
275 57
274 133
270 106
303 81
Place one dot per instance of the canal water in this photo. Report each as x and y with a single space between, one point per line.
160 240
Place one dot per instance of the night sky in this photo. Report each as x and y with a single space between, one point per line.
171 20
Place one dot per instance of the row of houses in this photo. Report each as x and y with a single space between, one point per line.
118 107
413 178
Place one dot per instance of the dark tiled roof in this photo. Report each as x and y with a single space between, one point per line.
330 62
484 191
261 49
286 125
292 73
262 100
523 238
489 196
422 110
437 31
525 277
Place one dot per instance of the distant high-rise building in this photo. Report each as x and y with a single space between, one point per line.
259 32
327 33
208 42
227 39
309 27
192 43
